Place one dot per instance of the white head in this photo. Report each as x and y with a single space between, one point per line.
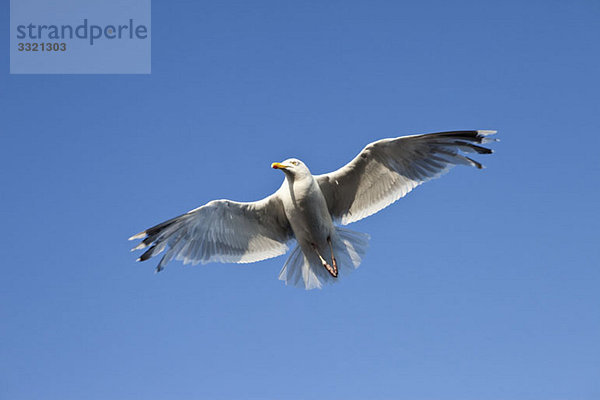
292 167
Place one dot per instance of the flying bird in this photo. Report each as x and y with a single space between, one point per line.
308 209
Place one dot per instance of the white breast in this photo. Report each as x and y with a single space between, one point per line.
306 209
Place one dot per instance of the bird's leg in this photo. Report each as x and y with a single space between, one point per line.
332 270
335 268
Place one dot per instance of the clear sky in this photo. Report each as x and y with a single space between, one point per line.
479 285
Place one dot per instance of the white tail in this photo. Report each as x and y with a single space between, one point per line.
300 270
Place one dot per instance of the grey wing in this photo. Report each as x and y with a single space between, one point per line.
221 231
388 169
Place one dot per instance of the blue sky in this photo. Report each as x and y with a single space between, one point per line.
479 285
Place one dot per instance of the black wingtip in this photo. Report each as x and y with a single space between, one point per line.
475 163
147 254
476 148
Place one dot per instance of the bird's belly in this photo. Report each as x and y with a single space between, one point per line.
310 221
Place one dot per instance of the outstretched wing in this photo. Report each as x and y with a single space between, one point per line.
388 169
222 231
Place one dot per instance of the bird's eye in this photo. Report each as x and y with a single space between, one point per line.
295 163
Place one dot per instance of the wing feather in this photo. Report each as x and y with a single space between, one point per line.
386 170
221 231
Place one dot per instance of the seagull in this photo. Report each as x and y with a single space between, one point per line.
307 210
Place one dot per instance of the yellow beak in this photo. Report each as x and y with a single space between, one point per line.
277 165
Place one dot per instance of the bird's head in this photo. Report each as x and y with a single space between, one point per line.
293 167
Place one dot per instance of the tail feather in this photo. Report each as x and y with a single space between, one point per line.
306 271
290 273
